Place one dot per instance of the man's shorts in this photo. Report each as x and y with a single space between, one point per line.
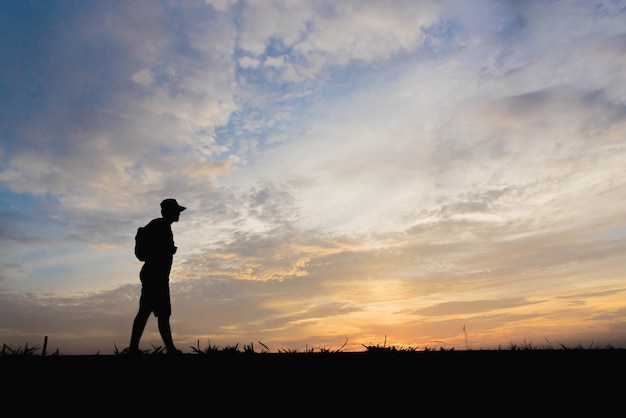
156 298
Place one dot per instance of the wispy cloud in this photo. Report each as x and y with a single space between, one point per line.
351 170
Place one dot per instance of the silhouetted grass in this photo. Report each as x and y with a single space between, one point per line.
377 379
28 350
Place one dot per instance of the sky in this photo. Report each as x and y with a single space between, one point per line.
412 174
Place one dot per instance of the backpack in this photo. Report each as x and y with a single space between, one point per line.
142 243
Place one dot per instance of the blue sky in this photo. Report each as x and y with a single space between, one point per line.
413 173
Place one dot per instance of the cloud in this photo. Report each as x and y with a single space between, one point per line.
456 308
350 169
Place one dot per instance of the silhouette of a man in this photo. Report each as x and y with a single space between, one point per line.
155 277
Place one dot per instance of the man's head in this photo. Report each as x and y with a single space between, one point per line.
170 209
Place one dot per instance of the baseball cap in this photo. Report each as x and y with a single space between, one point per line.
172 204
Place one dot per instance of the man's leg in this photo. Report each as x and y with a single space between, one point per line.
166 334
138 326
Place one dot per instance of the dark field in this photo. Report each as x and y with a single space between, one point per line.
484 383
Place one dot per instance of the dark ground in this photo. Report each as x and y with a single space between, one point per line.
485 383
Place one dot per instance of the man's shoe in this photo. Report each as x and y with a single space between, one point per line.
132 351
